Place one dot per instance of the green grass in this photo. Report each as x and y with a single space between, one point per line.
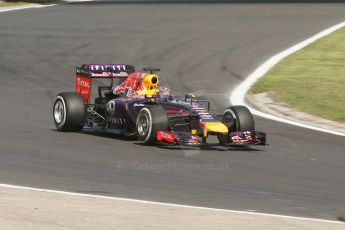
3 4
22 2
313 79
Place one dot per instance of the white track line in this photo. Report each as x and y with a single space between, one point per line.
238 95
24 7
166 204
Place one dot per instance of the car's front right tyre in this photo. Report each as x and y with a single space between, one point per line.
243 118
69 112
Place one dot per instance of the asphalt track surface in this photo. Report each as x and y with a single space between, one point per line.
207 49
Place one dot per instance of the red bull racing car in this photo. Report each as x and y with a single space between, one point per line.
134 103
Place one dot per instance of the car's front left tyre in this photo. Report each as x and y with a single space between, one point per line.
69 112
151 119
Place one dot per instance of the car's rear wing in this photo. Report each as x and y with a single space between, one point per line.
87 72
105 70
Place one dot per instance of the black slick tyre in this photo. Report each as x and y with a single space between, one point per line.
150 120
243 118
69 112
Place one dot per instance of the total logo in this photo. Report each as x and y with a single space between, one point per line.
83 83
167 135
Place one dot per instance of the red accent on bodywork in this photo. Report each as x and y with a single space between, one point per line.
236 139
82 86
133 83
193 141
165 136
175 111
202 124
171 111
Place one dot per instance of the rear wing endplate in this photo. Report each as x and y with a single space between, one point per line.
87 72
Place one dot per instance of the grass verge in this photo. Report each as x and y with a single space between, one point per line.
3 4
311 80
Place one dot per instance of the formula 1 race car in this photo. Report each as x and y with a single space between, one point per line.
134 103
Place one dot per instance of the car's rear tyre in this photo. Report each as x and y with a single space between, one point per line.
150 120
69 112
243 118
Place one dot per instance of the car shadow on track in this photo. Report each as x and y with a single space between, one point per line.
204 148
104 134
220 148
108 135
134 139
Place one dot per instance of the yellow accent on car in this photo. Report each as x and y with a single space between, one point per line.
215 127
150 83
205 134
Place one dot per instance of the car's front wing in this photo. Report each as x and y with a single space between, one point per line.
233 138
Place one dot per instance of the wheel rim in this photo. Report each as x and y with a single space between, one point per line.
228 115
143 125
58 112
232 115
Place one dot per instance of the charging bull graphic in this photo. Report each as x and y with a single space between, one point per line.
138 84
